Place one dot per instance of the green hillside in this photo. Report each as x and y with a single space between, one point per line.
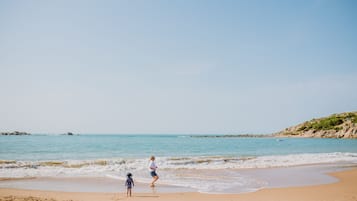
343 125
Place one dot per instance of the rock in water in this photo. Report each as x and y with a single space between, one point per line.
15 133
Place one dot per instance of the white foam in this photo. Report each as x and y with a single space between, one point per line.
114 176
206 173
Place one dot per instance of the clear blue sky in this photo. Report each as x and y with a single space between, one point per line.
175 66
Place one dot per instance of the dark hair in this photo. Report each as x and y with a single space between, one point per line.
129 174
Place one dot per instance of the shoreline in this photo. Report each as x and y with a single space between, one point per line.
253 180
344 190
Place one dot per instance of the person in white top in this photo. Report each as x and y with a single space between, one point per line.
152 169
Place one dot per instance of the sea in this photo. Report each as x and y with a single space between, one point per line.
197 163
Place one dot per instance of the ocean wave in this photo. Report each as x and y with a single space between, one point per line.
102 167
219 162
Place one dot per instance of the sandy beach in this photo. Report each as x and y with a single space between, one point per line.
215 100
343 190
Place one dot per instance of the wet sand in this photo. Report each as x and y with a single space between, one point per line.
237 181
343 190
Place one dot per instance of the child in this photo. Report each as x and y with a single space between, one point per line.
129 184
152 169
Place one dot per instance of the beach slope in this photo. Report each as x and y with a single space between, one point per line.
344 190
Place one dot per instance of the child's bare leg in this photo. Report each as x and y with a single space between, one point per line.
153 181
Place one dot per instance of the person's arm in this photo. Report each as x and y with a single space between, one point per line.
133 182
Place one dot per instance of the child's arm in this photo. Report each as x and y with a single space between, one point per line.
133 181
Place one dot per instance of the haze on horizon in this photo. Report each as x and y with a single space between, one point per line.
175 66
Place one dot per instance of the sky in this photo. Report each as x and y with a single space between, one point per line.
175 67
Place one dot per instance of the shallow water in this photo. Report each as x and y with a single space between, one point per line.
201 164
232 181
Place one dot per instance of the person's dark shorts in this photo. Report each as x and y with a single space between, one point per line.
153 174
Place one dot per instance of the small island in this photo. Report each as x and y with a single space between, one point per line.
15 133
68 133
343 125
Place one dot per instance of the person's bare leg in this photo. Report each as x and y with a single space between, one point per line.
153 181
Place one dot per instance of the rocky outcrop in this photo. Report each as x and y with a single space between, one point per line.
343 125
68 133
15 133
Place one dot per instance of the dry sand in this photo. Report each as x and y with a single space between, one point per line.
344 190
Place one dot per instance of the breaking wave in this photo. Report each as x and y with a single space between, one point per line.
103 167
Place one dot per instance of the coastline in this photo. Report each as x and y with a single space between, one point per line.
222 181
344 189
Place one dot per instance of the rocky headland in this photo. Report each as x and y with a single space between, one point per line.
343 125
14 133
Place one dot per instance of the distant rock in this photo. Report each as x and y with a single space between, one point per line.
343 125
69 133
15 133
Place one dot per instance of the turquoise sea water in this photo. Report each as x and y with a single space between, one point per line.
183 160
60 147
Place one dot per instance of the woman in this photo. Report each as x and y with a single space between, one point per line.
152 169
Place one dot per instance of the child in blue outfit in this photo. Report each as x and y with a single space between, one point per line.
129 184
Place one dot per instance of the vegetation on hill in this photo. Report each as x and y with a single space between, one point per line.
328 123
337 125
